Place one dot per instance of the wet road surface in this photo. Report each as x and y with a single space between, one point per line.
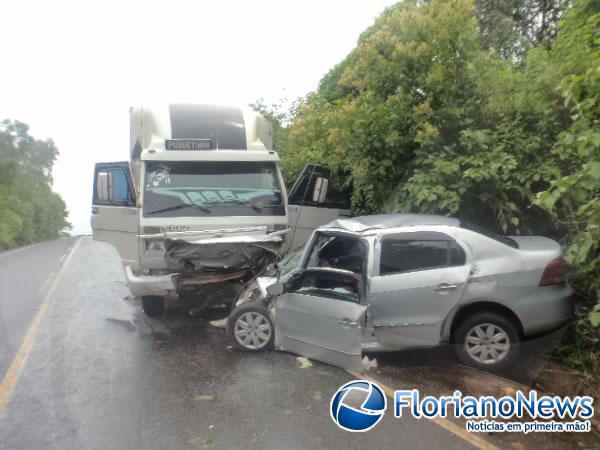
24 279
100 374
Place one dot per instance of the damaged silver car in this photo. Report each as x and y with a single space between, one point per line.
392 282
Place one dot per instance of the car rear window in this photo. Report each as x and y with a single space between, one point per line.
406 254
489 233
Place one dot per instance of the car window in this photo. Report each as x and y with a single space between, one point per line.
338 287
456 254
489 233
339 252
290 262
406 254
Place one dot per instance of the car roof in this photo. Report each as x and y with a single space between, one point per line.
360 224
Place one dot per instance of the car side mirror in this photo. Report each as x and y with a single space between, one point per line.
275 289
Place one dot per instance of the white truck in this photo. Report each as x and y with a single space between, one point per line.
201 206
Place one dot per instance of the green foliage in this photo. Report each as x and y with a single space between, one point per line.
573 196
489 111
29 210
512 27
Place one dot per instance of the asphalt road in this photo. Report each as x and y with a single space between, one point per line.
24 277
100 374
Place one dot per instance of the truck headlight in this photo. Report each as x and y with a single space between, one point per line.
155 245
277 227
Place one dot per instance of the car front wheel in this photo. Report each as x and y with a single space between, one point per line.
488 341
249 328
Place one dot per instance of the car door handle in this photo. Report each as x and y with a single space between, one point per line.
348 323
445 287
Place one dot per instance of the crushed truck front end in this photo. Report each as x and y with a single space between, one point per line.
207 218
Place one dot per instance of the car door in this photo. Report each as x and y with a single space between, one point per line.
312 202
419 278
114 212
321 316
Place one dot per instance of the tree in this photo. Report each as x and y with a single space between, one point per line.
489 111
29 210
574 194
512 27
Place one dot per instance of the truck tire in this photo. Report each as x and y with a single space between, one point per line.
250 328
487 341
154 306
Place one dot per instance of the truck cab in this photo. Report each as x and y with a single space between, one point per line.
201 206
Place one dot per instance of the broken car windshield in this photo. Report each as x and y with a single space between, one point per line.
290 262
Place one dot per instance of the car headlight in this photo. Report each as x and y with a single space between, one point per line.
249 293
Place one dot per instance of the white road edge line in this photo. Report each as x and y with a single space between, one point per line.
12 374
446 424
20 249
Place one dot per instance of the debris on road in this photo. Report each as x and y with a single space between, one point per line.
221 323
304 362
368 364
204 397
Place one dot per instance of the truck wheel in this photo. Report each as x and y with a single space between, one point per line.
154 306
487 341
250 329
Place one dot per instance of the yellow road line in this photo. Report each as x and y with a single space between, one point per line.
446 424
12 375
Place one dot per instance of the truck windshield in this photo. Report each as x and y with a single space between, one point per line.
212 188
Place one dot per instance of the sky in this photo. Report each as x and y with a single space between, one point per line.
72 69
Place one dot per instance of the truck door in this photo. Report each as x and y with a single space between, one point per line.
114 212
321 316
311 203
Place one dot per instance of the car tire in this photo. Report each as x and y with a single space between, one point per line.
250 328
153 305
487 341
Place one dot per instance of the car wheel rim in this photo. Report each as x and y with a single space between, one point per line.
487 343
252 330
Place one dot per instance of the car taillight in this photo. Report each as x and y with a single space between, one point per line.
554 273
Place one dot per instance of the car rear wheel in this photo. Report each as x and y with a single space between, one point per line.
249 328
154 306
487 340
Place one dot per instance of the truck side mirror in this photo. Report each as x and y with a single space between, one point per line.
320 190
275 289
103 182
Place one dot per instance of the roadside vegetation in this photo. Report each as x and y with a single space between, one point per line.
29 211
487 110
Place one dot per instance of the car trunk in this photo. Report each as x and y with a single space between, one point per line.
538 246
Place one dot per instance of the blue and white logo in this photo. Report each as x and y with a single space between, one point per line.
358 406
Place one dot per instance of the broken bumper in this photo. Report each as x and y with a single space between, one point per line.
224 254
162 285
